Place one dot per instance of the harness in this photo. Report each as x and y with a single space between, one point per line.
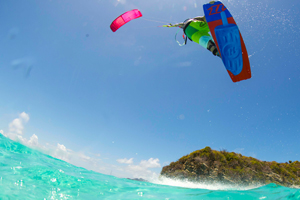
189 30
186 24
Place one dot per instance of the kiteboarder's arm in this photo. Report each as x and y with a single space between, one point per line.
174 25
202 19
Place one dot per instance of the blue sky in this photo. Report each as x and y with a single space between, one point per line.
135 93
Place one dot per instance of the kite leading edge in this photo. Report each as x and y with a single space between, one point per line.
125 18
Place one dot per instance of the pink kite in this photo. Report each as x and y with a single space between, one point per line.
124 18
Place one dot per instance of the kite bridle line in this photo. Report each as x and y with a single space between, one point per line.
184 37
153 20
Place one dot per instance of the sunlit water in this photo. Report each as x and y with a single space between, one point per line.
28 174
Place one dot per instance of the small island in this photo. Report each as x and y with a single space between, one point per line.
138 179
207 165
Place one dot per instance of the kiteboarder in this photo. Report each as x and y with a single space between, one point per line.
220 24
197 30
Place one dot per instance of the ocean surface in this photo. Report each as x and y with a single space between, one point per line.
29 174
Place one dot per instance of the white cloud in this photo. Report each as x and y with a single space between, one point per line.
151 163
138 171
141 170
61 147
80 159
25 117
16 126
125 161
34 141
60 152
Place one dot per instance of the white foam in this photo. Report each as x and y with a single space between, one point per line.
200 185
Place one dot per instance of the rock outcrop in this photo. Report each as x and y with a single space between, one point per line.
207 165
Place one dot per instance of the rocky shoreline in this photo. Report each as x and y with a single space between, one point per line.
207 165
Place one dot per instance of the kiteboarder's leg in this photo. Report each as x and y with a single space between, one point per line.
208 43
203 41
211 46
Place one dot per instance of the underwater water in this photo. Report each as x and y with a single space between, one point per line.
28 174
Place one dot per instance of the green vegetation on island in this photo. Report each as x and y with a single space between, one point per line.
207 165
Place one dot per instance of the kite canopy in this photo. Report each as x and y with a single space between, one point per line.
124 18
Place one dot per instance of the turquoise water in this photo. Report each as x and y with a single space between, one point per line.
28 174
